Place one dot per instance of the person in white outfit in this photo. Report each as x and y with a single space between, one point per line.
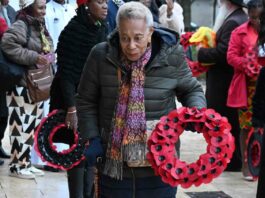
58 14
171 16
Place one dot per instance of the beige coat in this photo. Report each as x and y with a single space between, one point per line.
15 38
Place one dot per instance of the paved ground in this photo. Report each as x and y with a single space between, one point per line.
54 185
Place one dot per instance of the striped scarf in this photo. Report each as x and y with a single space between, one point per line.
128 133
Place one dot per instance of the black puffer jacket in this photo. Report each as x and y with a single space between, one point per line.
166 76
75 43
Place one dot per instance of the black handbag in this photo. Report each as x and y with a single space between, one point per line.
10 73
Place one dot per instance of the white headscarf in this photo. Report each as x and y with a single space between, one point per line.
25 3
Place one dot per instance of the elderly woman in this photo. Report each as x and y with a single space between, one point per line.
128 81
26 42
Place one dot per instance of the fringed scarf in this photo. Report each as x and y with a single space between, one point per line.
128 133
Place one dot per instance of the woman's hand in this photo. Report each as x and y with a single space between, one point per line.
71 118
170 6
42 60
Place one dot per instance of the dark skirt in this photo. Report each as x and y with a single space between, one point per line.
135 188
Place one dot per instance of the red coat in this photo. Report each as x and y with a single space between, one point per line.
239 44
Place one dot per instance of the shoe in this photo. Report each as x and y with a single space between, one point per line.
35 171
22 173
3 154
249 178
1 162
49 168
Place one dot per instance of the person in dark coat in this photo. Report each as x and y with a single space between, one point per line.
219 75
258 117
81 34
3 106
128 83
8 15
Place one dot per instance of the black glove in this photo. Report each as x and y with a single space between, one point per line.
93 151
190 127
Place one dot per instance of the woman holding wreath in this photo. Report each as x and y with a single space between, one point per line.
243 43
127 82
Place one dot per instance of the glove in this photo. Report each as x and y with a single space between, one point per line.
190 127
93 151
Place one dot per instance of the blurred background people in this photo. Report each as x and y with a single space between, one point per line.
58 14
151 4
82 33
7 12
219 75
171 16
25 42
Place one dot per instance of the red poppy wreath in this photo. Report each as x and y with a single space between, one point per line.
162 154
49 127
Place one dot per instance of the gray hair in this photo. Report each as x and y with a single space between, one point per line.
134 10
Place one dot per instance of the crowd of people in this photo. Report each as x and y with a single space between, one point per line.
119 68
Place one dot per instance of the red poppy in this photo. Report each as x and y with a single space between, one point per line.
180 170
184 39
160 149
157 137
218 151
196 68
219 140
204 165
193 168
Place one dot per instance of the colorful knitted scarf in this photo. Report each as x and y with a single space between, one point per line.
128 134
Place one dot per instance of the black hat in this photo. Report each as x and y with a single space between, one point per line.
239 3
45 136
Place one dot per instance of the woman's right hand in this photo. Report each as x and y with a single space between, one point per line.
42 60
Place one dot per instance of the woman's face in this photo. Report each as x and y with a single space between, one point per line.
98 9
134 37
39 9
254 15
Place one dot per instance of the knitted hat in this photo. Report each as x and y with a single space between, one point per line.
239 2
80 2
25 3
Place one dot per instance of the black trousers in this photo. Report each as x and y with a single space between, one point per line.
3 124
81 181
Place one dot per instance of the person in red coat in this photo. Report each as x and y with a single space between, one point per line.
242 46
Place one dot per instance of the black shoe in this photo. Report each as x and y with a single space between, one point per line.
1 162
48 168
3 154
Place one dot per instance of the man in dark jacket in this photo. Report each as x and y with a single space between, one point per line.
220 74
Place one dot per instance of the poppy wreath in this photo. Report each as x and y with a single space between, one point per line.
253 151
251 66
47 129
162 154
